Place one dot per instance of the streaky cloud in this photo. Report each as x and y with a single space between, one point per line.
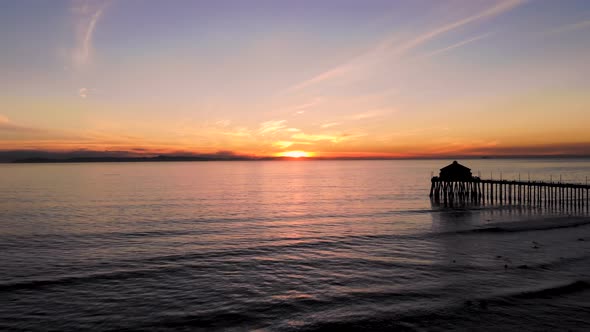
83 93
372 114
572 27
391 47
331 124
300 109
574 149
271 127
87 14
457 45
6 125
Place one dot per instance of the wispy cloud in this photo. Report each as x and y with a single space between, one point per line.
500 8
331 124
496 148
392 46
223 123
572 27
286 144
87 92
459 44
317 137
301 108
371 114
326 137
87 14
271 127
6 125
282 144
83 93
237 132
417 131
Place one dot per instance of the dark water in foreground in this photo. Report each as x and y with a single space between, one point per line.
287 246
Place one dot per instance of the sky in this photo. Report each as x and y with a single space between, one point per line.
331 78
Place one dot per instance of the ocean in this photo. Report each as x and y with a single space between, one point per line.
285 246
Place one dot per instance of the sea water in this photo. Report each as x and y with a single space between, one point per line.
285 246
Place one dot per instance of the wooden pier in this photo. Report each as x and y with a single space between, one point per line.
456 185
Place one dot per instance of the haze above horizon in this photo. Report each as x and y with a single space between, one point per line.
296 78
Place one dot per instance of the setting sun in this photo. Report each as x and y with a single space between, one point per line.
295 154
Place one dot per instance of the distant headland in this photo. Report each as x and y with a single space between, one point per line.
90 156
138 159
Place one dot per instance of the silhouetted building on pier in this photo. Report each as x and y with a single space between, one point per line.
455 172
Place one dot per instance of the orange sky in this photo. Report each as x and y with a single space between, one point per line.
383 79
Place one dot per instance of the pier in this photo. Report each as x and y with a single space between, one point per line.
456 185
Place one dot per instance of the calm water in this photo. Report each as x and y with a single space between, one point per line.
286 246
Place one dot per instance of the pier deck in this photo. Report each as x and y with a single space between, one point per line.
532 193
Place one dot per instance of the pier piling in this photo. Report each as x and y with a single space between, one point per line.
534 193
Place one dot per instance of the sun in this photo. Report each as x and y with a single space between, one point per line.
295 154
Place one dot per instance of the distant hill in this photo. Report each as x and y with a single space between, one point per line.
136 159
90 156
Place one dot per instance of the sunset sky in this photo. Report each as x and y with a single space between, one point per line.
332 78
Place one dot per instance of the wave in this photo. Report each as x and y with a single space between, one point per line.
161 233
161 264
527 226
553 291
263 315
67 280
203 262
274 221
504 311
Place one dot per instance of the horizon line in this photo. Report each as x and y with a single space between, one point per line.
197 158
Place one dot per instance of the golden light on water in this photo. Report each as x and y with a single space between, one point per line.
295 154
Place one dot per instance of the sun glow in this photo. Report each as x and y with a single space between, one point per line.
295 154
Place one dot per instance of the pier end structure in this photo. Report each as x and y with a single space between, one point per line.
455 183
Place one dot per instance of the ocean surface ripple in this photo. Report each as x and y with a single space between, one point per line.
283 246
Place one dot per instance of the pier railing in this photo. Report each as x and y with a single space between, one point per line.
530 193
